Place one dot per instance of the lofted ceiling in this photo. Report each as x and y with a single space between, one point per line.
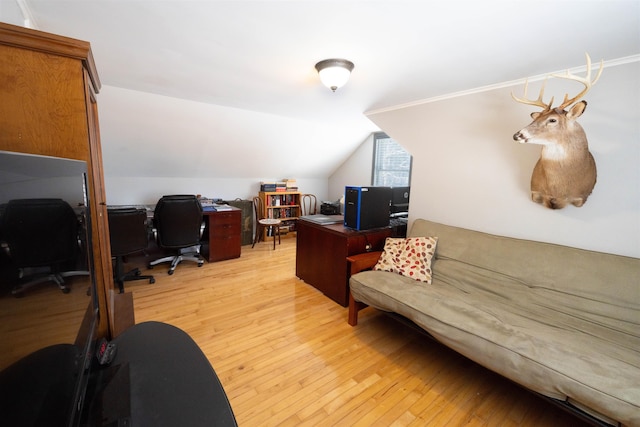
259 56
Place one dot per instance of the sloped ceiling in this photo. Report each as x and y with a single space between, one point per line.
258 57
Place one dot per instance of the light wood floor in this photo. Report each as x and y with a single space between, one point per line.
286 355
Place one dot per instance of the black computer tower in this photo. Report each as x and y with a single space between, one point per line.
366 207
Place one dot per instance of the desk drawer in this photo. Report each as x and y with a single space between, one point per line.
222 218
222 230
224 247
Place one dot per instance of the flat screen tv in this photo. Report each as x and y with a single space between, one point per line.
47 336
400 200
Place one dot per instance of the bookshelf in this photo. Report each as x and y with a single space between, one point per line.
283 205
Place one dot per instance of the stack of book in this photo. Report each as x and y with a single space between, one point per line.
207 204
267 186
291 184
279 186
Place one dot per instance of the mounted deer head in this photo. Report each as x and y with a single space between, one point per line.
566 170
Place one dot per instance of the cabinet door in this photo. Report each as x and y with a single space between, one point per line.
42 104
48 107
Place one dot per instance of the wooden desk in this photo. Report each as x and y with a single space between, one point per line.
322 251
222 234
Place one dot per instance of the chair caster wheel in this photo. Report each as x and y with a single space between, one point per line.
66 290
170 272
200 264
152 280
150 267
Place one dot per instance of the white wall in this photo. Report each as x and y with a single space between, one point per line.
147 190
154 145
468 171
355 171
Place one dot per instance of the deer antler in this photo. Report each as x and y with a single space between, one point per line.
538 102
586 81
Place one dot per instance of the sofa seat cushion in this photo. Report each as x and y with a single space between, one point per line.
550 339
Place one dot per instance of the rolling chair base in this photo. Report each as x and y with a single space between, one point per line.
134 274
187 254
57 278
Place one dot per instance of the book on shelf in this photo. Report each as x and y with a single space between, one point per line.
267 186
291 184
285 185
282 200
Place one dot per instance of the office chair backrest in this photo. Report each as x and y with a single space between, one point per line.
178 219
127 230
40 232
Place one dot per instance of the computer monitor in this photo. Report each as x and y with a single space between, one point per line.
400 200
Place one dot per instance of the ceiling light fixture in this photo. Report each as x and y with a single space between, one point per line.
334 73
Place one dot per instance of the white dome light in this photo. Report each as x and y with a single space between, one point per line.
334 73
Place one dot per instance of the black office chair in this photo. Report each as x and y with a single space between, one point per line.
128 234
42 240
178 221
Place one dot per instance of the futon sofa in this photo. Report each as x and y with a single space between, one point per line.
560 321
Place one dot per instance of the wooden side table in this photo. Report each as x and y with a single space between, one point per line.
223 230
322 251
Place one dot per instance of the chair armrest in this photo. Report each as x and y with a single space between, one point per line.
358 263
364 261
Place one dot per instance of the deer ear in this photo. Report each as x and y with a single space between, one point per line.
535 115
577 110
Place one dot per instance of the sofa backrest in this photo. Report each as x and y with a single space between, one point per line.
613 279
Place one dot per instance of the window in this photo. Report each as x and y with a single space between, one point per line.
391 162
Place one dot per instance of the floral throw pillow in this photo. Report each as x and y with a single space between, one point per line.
410 257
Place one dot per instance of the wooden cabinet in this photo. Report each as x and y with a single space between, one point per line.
223 231
284 205
48 87
322 251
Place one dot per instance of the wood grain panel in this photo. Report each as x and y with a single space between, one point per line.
58 127
322 251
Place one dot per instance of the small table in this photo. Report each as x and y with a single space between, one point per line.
322 251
